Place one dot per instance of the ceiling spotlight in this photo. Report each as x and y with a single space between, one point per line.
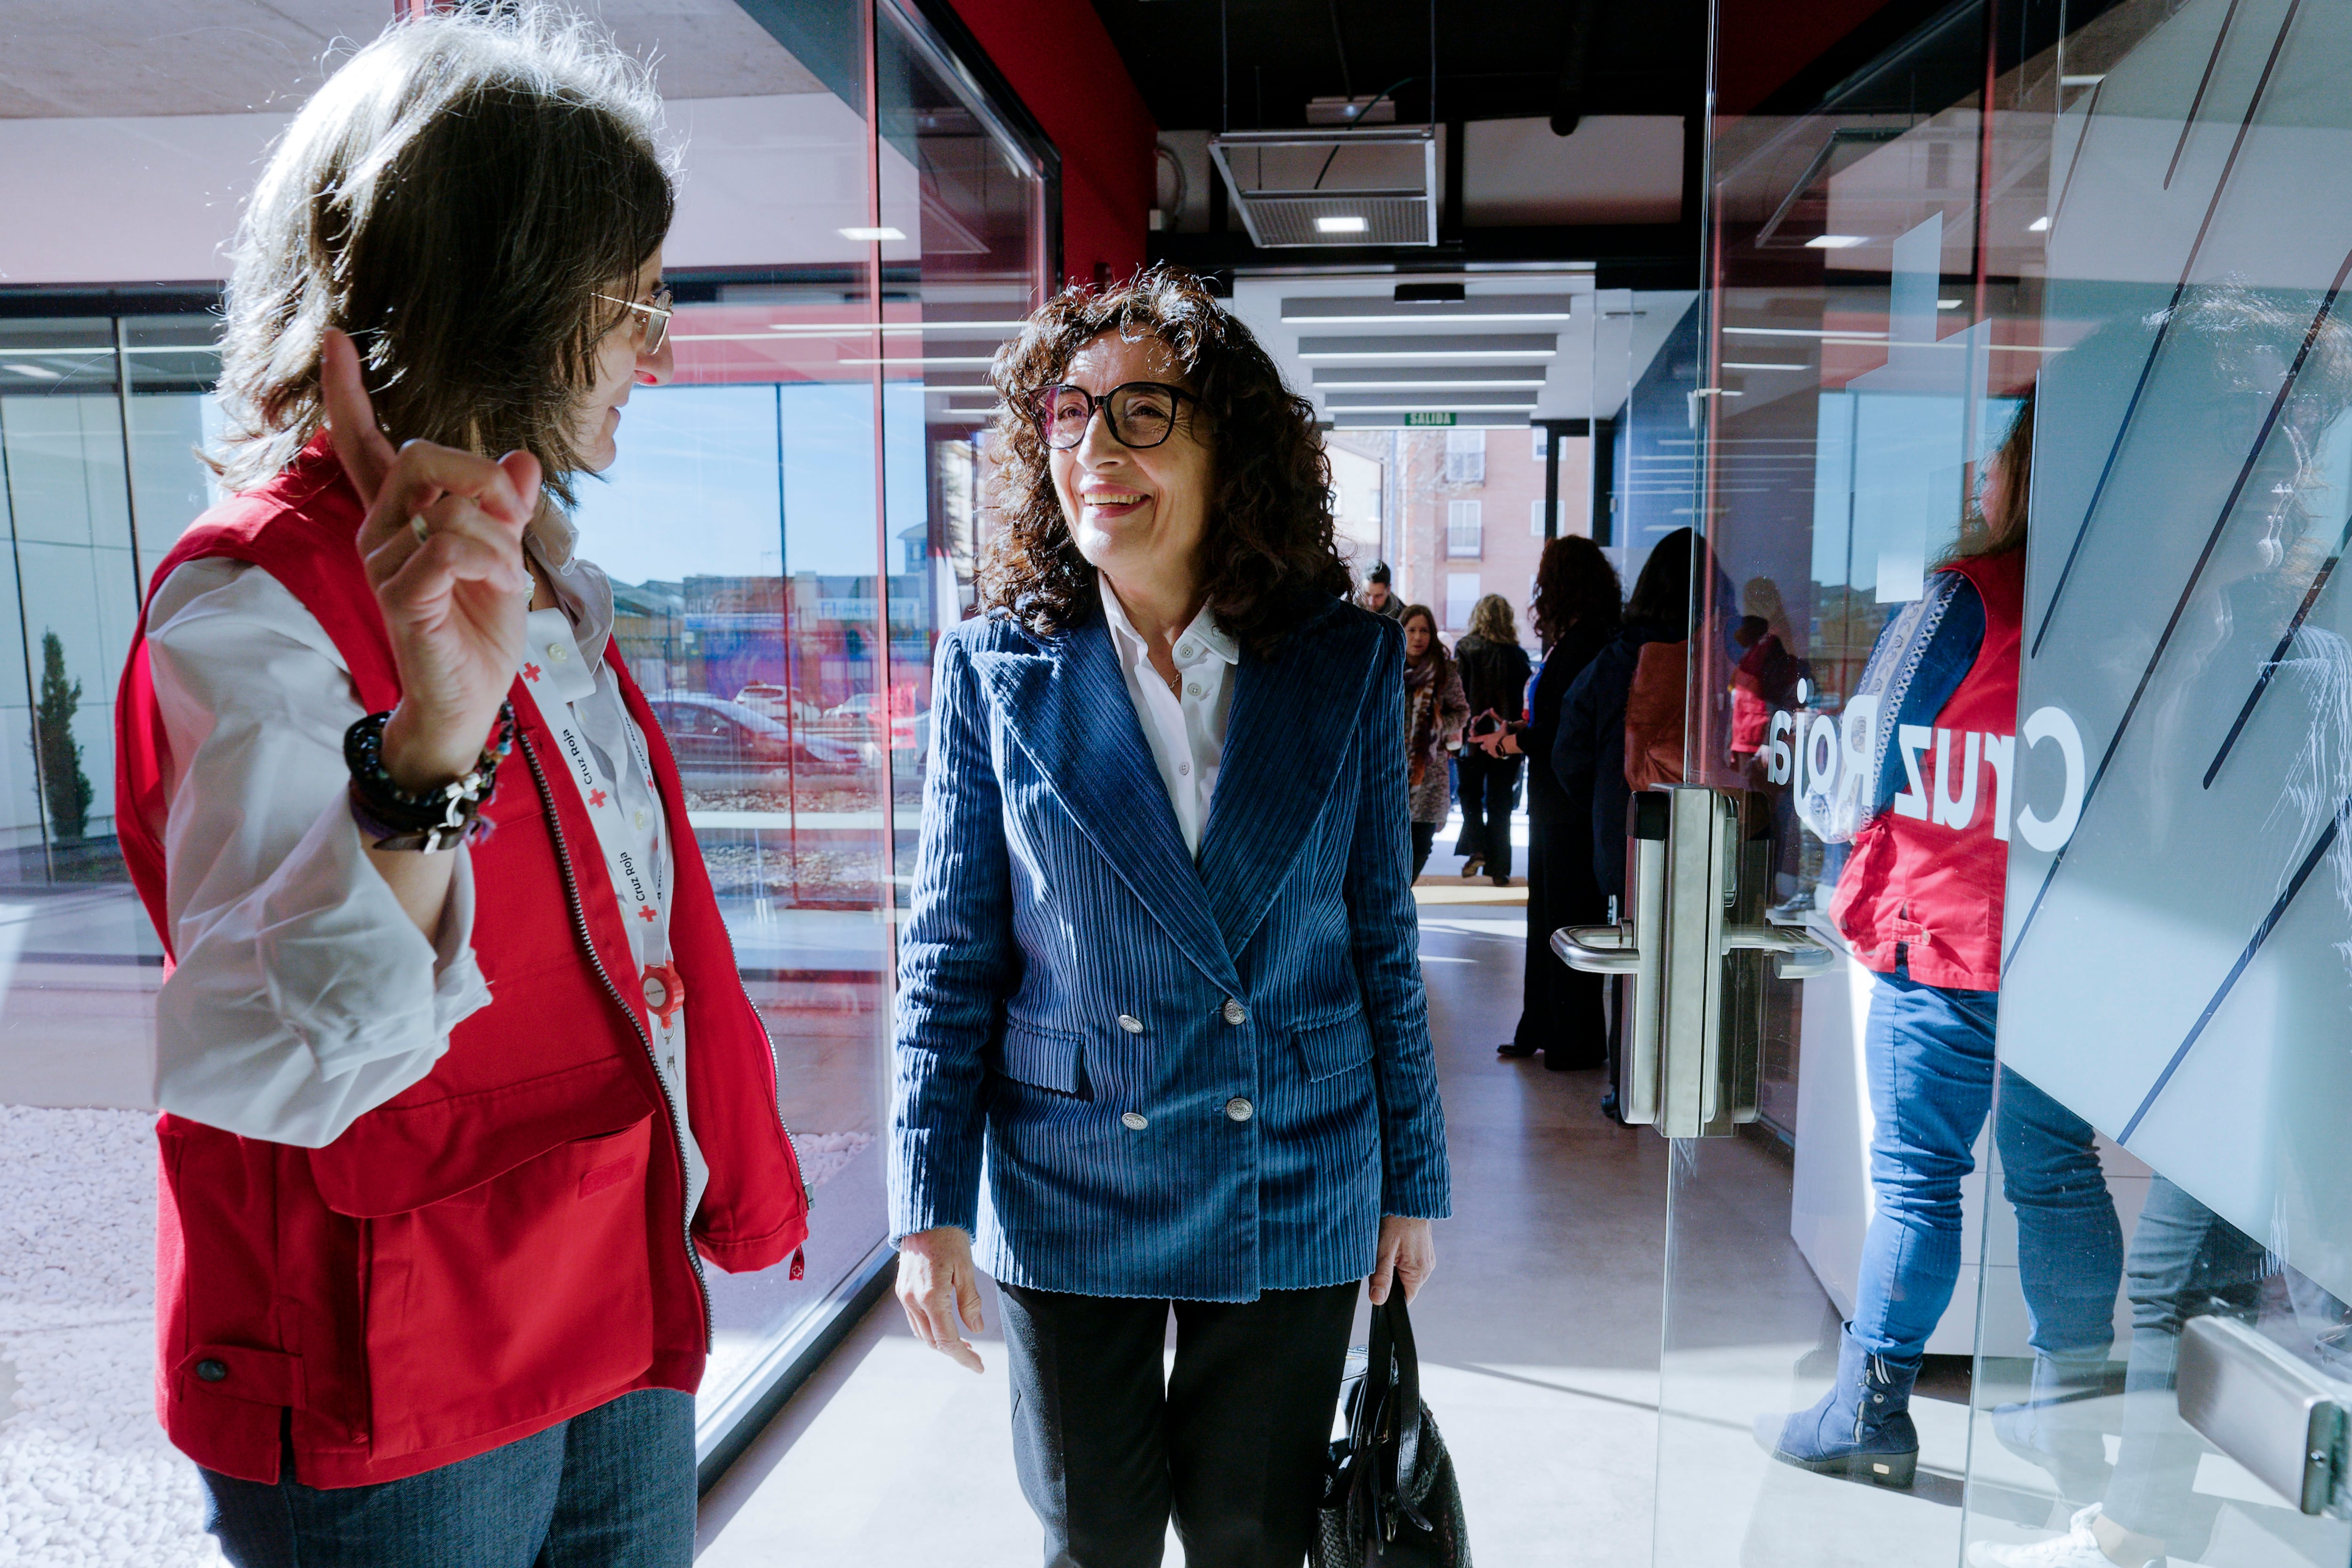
869 236
1836 241
2038 227
1342 225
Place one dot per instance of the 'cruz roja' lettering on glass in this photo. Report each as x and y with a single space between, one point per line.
1941 773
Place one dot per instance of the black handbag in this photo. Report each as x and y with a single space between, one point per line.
1389 1496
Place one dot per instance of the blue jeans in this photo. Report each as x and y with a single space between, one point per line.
613 1487
1929 1052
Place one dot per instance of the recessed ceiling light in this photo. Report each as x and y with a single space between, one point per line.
1763 365
1836 241
2040 225
869 236
1949 304
1341 226
39 372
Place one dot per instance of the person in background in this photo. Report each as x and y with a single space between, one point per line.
1436 713
1766 677
453 1121
1495 671
1162 1045
1575 611
1919 903
1588 752
1378 596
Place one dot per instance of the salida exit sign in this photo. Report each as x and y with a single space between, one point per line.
1426 418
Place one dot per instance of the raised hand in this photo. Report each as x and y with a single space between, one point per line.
443 546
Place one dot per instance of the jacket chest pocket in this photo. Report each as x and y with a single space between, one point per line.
519 1297
1044 1059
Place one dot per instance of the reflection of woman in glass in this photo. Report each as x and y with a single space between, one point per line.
1435 710
454 1118
1159 979
1919 903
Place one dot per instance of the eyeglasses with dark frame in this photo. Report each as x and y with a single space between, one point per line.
656 316
1141 415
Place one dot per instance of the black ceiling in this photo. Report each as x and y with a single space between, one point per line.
1500 60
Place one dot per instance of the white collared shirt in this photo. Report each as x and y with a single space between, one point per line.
1185 727
269 1026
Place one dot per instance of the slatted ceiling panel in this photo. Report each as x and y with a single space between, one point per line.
1388 219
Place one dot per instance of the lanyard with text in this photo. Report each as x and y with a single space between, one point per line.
562 687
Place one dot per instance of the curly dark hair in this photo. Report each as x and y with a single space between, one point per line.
1575 586
1267 553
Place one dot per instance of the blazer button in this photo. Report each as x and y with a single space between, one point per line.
1234 1012
1131 1024
211 1371
1239 1109
1134 1120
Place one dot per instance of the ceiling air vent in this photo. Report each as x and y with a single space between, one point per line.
1354 186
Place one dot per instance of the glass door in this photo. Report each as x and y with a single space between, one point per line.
2077 268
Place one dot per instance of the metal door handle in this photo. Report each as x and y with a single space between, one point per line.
1799 954
1598 949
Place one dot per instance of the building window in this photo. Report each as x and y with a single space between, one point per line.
1543 442
1465 534
1461 598
1536 517
1465 456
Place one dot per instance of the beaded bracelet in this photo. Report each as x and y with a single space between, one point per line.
435 819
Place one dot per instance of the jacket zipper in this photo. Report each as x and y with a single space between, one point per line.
669 1102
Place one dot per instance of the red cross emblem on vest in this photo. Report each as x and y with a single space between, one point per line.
531 672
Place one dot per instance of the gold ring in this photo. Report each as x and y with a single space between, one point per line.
417 526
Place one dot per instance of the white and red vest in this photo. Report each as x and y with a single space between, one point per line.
1923 881
504 1244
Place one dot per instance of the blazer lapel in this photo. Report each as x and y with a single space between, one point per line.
1292 719
1069 711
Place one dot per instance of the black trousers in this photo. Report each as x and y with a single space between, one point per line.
1561 1011
1232 1443
1487 786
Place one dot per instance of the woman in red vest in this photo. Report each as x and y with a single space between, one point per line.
461 1088
1919 903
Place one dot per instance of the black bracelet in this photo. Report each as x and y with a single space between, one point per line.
435 819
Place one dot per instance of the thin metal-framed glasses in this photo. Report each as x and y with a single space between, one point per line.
1141 415
656 315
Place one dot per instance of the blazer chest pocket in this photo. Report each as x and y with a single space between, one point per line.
1043 1059
1331 1049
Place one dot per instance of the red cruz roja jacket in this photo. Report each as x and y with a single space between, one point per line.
1925 879
504 1244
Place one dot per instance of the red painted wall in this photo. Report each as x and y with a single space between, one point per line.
1058 57
1766 42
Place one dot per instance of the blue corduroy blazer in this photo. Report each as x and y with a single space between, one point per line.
1131 1073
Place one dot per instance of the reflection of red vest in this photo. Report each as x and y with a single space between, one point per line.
1926 876
503 1244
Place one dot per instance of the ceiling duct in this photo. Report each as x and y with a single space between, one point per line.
1355 185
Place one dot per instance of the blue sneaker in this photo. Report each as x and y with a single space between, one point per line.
1861 1428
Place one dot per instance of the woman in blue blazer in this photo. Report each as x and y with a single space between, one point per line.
1161 1038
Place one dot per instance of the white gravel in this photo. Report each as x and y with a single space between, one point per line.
86 1476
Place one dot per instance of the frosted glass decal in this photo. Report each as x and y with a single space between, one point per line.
2179 924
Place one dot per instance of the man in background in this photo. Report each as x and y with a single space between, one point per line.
1376 596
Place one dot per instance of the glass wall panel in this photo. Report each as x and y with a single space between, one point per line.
2129 214
790 523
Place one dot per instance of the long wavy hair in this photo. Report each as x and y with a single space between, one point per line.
1491 617
1267 555
1575 586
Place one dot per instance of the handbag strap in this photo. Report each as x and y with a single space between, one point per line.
1370 1414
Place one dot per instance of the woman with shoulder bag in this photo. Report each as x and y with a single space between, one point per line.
461 1090
1160 978
1494 671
